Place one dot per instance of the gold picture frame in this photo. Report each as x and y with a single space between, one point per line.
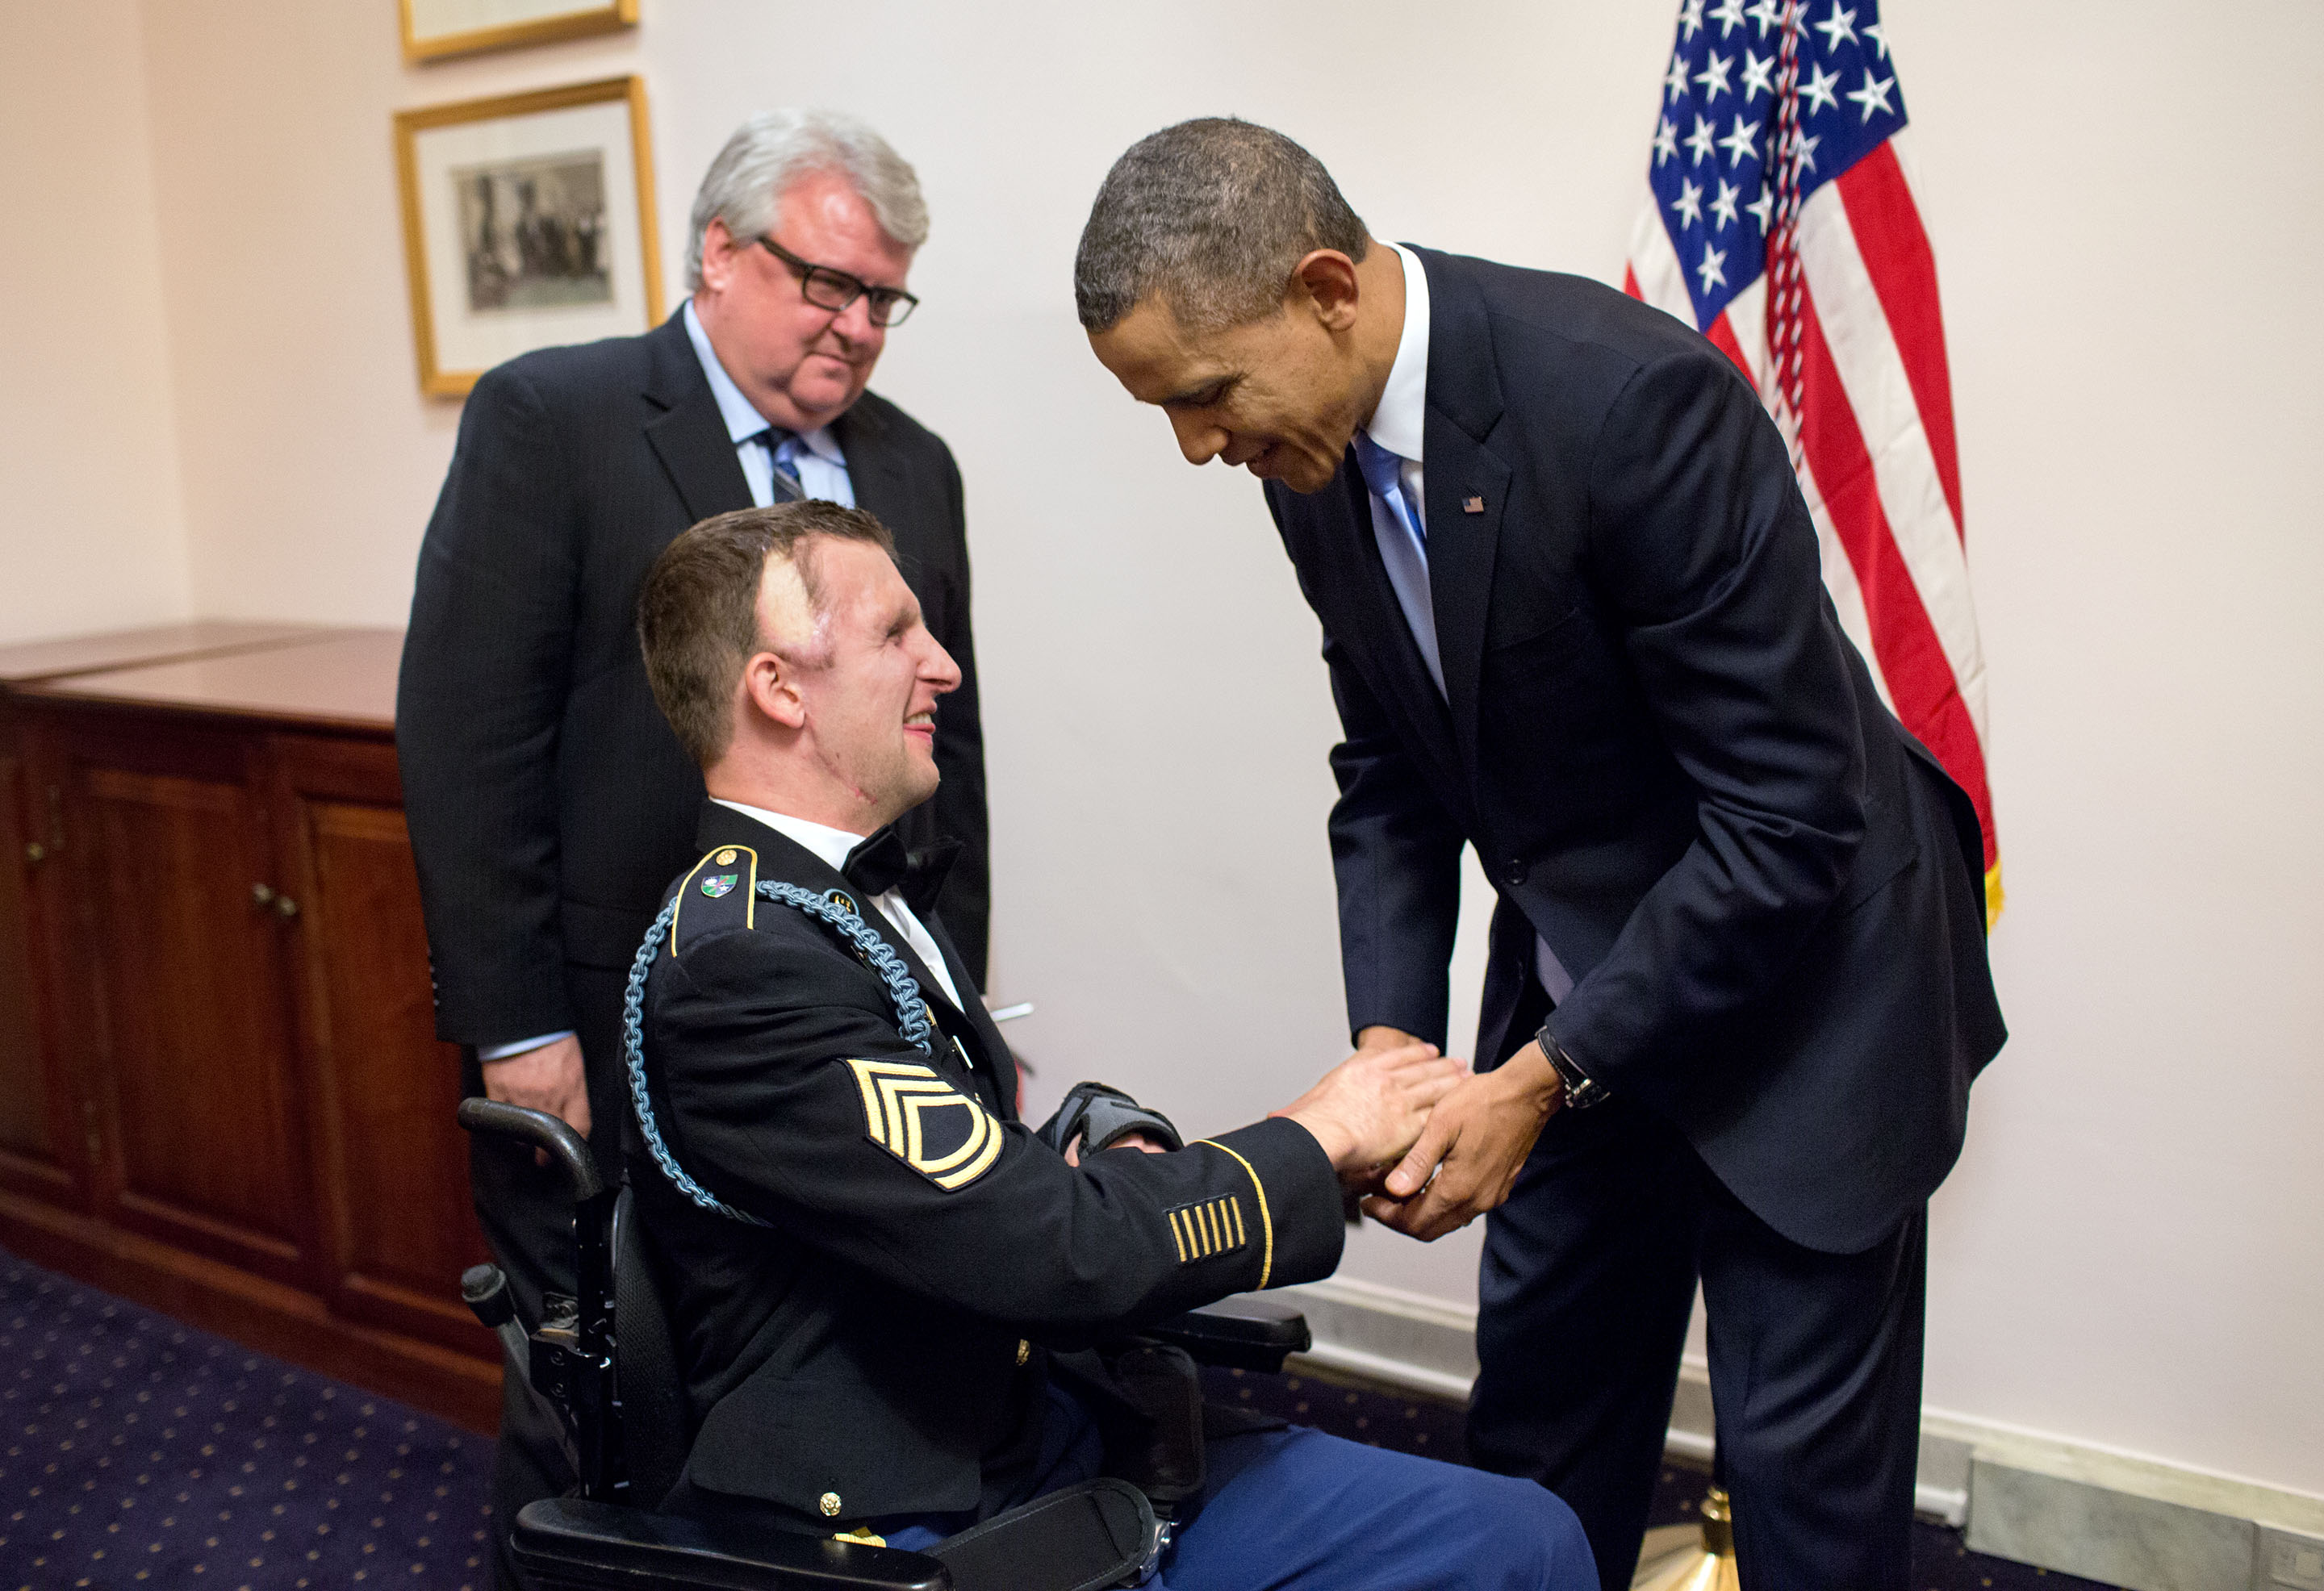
567 21
528 221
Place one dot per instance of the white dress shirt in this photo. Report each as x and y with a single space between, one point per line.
1399 425
831 845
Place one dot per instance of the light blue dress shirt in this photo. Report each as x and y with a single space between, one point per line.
822 467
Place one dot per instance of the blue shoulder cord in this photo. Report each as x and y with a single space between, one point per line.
911 1018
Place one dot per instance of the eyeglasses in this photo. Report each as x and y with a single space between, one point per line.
827 289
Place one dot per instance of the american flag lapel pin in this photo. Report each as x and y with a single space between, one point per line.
1472 505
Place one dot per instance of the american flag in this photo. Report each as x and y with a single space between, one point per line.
1779 222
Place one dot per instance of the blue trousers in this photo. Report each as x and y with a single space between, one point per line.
1295 1510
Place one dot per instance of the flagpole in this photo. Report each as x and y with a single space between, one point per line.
1786 387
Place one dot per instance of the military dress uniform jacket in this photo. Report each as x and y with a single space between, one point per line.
880 1345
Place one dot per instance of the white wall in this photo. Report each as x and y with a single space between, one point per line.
2122 199
2123 204
91 534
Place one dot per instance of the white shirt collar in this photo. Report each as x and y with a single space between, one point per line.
743 421
830 845
1402 416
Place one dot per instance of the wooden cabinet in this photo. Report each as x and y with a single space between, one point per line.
39 1131
220 1091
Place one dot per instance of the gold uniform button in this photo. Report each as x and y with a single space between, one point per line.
725 856
1024 1351
829 1503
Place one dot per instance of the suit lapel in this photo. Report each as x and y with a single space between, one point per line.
686 431
986 1040
1467 485
874 473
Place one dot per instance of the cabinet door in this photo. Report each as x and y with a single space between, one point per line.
42 1136
185 979
398 1226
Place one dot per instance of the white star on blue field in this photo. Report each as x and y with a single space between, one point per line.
1715 136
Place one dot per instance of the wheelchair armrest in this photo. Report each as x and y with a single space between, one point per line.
1245 1332
566 1544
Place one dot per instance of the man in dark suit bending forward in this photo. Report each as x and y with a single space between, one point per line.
1736 988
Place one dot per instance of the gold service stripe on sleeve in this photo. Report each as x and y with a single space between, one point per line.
1265 1221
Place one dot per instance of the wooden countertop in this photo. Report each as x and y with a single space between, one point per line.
157 643
331 678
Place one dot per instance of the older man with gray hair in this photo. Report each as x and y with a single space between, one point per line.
548 801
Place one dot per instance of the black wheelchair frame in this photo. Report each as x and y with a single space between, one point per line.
605 1362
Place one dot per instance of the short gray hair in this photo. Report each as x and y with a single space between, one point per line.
1213 215
775 148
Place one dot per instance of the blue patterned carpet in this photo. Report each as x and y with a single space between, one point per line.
1424 1425
135 1451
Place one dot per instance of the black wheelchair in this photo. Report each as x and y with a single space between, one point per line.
605 1362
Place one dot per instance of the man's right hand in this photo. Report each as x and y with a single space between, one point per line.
548 1078
1369 1110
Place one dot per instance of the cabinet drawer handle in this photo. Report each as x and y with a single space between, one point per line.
261 895
284 907
34 852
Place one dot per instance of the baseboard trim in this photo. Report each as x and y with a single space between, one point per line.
2059 1505
266 1315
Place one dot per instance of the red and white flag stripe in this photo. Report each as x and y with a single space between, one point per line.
1877 457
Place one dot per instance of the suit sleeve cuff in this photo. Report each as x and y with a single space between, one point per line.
1300 1228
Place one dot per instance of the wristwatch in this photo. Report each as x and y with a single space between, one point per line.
1582 1090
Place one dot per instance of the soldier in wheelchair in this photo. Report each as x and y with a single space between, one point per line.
915 1341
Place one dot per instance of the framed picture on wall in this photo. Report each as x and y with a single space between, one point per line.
433 29
527 221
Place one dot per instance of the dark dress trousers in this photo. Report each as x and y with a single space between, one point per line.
548 801
882 1345
1676 771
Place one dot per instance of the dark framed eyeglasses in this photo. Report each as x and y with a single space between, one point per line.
827 289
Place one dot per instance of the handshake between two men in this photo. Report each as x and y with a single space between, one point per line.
1427 1145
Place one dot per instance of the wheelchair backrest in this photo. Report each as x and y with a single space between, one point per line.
654 1413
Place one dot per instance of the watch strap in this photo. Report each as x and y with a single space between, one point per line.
1582 1090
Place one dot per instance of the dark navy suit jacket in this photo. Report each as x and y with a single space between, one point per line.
1673 765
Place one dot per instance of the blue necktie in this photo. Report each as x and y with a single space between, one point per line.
1384 475
1404 548
782 455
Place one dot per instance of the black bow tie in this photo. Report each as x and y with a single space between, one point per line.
881 863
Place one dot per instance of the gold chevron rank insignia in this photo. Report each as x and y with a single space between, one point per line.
1202 1230
927 1123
